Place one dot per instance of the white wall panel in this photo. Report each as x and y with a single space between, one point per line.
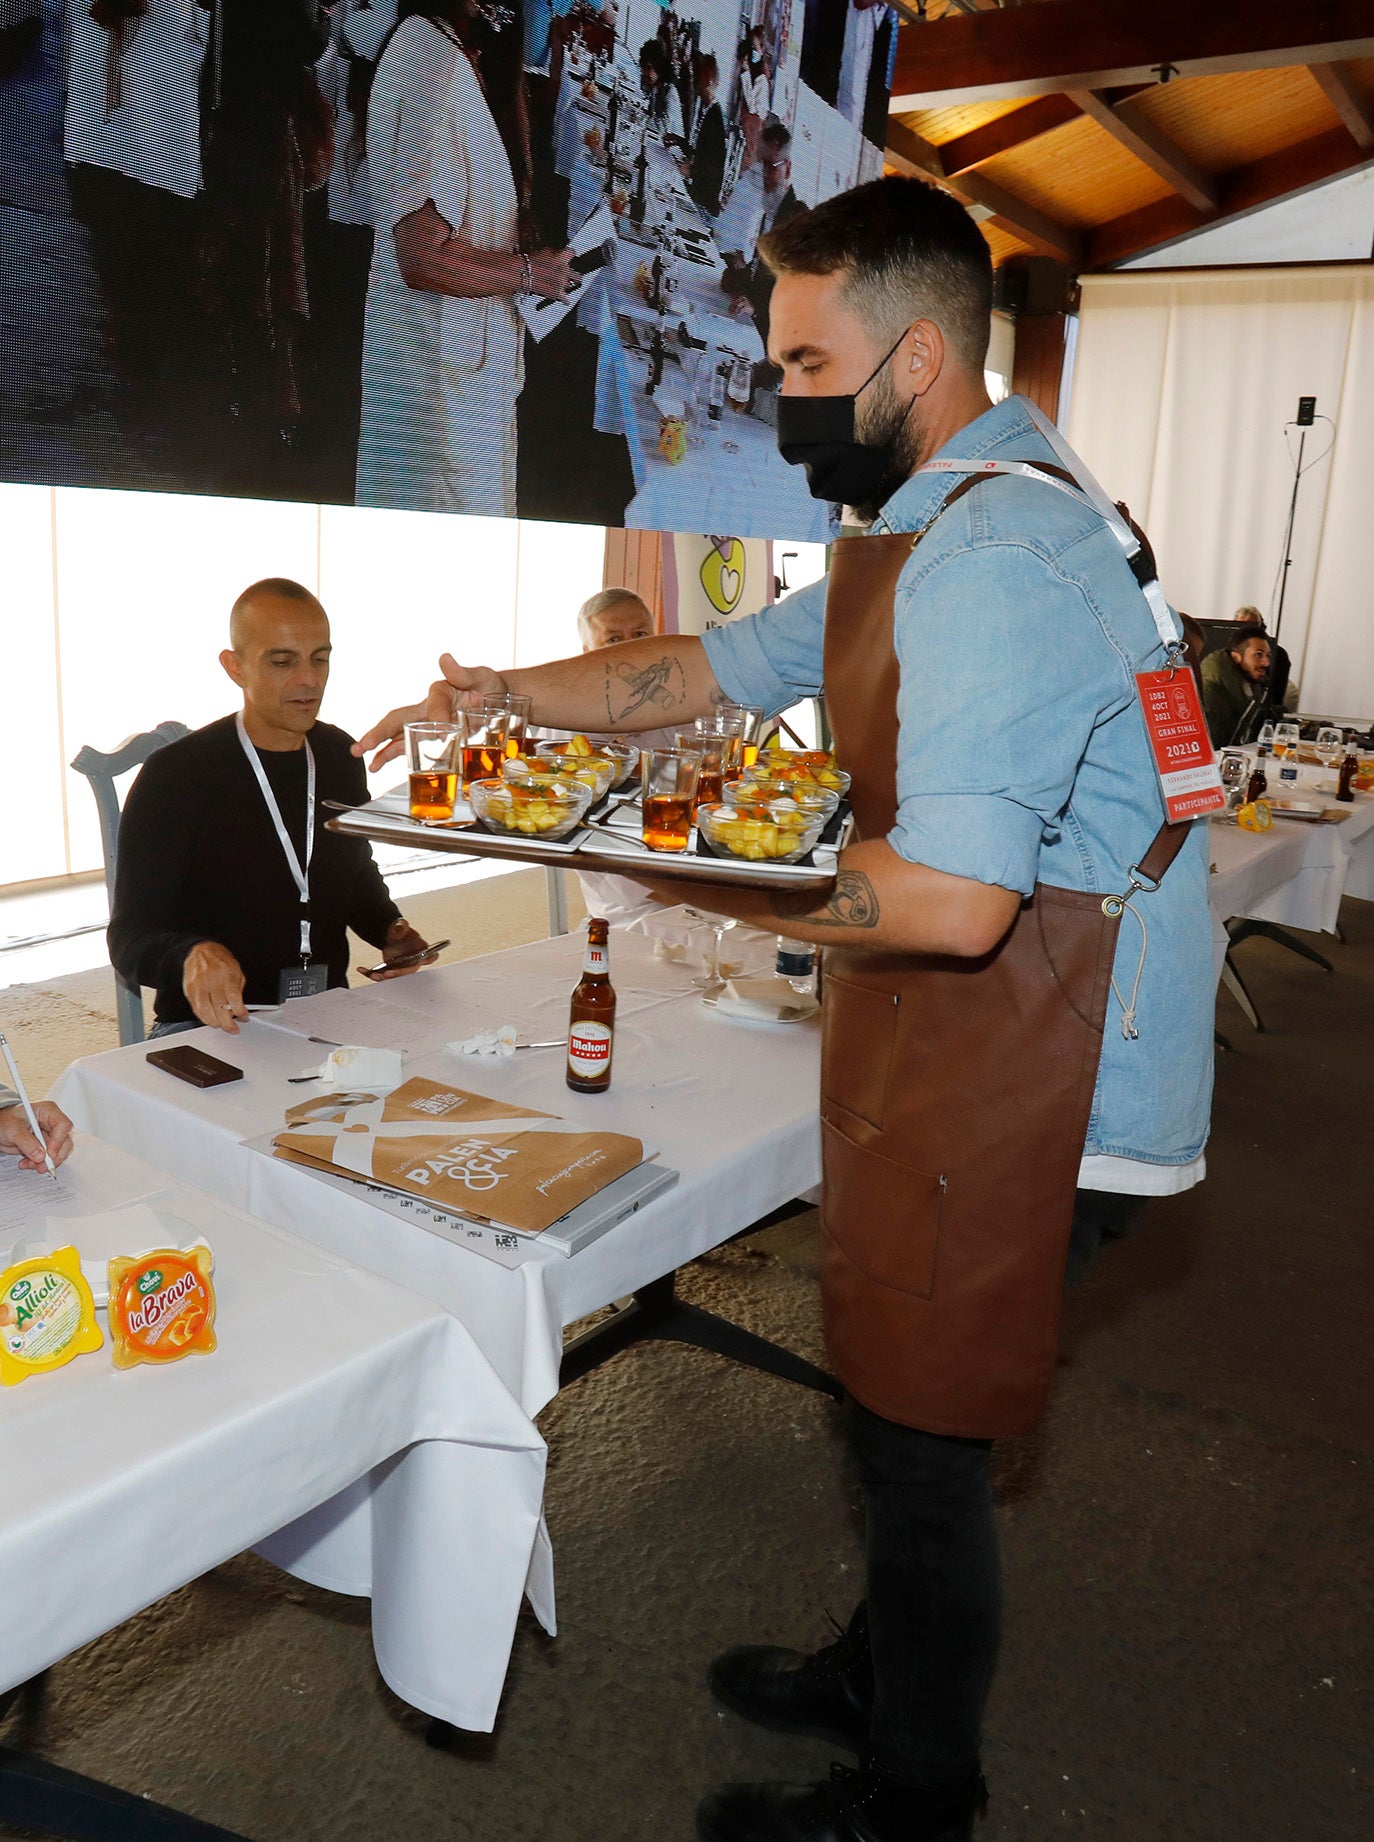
145 582
402 587
33 836
560 565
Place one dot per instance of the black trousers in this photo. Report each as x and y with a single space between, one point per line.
934 1566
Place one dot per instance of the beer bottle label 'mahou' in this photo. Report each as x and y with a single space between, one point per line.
589 1049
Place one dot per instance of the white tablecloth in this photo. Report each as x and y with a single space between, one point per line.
1294 874
732 1106
333 1396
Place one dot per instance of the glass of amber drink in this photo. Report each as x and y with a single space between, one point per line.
493 731
746 721
718 753
432 759
668 777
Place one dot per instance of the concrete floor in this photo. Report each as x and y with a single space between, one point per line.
1187 1539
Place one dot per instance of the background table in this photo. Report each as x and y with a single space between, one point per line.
732 1106
334 1395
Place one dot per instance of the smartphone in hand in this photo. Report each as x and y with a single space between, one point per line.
407 960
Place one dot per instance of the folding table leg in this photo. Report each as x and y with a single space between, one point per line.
1235 984
56 1802
557 892
1281 936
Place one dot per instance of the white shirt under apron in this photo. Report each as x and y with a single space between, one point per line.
440 375
154 134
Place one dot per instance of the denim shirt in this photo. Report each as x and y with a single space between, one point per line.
1022 755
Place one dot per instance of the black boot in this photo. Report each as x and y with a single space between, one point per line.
850 1806
828 1694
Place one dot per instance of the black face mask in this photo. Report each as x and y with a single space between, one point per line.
818 433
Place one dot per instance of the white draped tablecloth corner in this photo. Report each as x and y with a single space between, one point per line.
732 1106
344 1427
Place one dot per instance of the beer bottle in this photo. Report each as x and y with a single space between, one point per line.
591 1026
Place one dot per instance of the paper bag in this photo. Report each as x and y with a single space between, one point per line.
459 1151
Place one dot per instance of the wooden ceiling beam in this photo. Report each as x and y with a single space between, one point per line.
1276 176
910 153
1151 146
1027 123
1098 44
1349 102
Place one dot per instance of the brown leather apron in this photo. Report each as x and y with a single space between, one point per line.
955 1097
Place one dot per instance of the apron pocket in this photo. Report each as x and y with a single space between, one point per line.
860 1035
883 1216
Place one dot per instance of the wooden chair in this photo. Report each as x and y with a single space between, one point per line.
102 771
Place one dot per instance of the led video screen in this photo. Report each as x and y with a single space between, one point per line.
487 256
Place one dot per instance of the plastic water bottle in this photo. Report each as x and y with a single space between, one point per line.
796 962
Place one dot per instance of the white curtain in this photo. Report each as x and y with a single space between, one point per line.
1182 386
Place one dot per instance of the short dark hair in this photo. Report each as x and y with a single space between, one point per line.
708 71
1248 638
776 133
651 52
911 252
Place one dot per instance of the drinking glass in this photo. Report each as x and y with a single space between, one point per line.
1265 738
709 979
1330 746
1286 736
493 731
668 777
717 753
432 761
750 719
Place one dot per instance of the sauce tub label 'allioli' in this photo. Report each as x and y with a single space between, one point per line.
162 1305
47 1315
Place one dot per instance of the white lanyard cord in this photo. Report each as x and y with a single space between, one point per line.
301 877
1087 493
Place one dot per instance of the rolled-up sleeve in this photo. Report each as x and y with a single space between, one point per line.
1002 667
776 657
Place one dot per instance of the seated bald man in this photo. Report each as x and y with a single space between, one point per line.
213 859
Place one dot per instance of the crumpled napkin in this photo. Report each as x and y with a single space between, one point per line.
355 1066
501 1041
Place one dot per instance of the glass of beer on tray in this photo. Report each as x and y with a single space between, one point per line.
669 780
432 758
748 719
493 731
717 752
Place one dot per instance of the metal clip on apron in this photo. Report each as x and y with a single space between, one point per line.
955 1093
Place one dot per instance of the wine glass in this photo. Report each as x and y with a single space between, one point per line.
1330 746
709 979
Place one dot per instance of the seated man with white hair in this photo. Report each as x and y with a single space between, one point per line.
609 618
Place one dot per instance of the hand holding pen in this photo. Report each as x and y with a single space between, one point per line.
42 1134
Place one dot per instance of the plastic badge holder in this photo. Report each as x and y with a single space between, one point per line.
47 1315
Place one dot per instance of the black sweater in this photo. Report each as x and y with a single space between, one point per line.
199 859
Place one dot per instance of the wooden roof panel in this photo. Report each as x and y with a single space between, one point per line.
1077 174
1003 245
1227 121
941 125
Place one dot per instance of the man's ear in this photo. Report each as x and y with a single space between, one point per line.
229 659
924 350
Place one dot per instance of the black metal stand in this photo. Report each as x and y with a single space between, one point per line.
657 1313
1270 930
36 1795
1288 536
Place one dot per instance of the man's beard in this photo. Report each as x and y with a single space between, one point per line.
885 422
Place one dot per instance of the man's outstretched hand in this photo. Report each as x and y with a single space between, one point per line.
459 686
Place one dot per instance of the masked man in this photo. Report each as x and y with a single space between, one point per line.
1004 1074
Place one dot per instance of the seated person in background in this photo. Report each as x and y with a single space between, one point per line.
1280 664
207 904
608 618
16 1136
762 200
660 92
706 161
1232 682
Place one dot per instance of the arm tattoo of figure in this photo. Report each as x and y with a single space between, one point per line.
853 902
630 687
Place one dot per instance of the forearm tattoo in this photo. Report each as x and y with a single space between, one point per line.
852 903
629 688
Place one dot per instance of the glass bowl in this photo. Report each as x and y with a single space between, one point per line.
805 793
794 764
776 832
622 750
593 771
532 805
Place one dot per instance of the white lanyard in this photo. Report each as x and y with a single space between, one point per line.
301 877
1088 493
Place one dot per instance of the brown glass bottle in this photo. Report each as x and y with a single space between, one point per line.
1259 780
591 1025
1345 784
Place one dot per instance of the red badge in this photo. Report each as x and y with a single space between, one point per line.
1188 775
